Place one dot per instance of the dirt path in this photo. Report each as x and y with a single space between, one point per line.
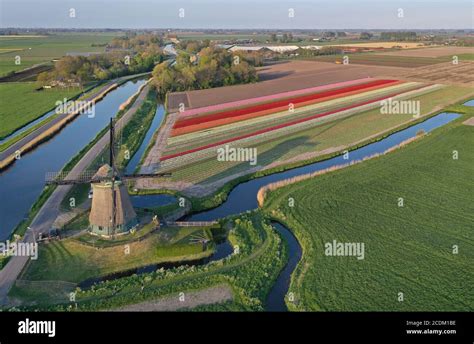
217 294
152 159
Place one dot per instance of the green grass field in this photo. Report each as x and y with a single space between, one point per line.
74 260
41 49
466 57
408 249
20 103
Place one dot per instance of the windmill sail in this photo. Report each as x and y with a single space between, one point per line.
111 211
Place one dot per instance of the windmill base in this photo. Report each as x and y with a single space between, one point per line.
107 232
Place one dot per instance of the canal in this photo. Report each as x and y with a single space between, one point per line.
23 182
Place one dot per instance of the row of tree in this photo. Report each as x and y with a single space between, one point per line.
319 52
136 42
399 36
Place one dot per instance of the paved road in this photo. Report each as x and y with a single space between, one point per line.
35 133
50 210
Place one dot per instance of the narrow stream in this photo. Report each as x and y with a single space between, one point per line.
276 298
155 124
223 249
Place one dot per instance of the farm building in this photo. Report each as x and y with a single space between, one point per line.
247 49
282 48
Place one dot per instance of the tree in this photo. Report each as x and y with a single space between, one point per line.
162 78
192 47
43 79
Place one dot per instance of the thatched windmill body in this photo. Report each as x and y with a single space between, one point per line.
112 212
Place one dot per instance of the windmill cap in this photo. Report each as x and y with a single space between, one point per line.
103 172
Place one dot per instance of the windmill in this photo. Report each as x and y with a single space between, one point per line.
111 209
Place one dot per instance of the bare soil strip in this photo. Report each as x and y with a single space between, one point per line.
469 122
217 294
442 73
152 159
176 100
431 52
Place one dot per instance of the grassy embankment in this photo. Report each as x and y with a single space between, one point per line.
408 249
92 91
21 103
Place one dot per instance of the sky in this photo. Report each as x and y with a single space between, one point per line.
239 14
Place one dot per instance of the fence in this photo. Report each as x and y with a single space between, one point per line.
191 223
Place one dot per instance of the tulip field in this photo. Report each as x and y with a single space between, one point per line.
198 133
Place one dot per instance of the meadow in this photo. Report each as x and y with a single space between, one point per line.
35 50
409 249
21 103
